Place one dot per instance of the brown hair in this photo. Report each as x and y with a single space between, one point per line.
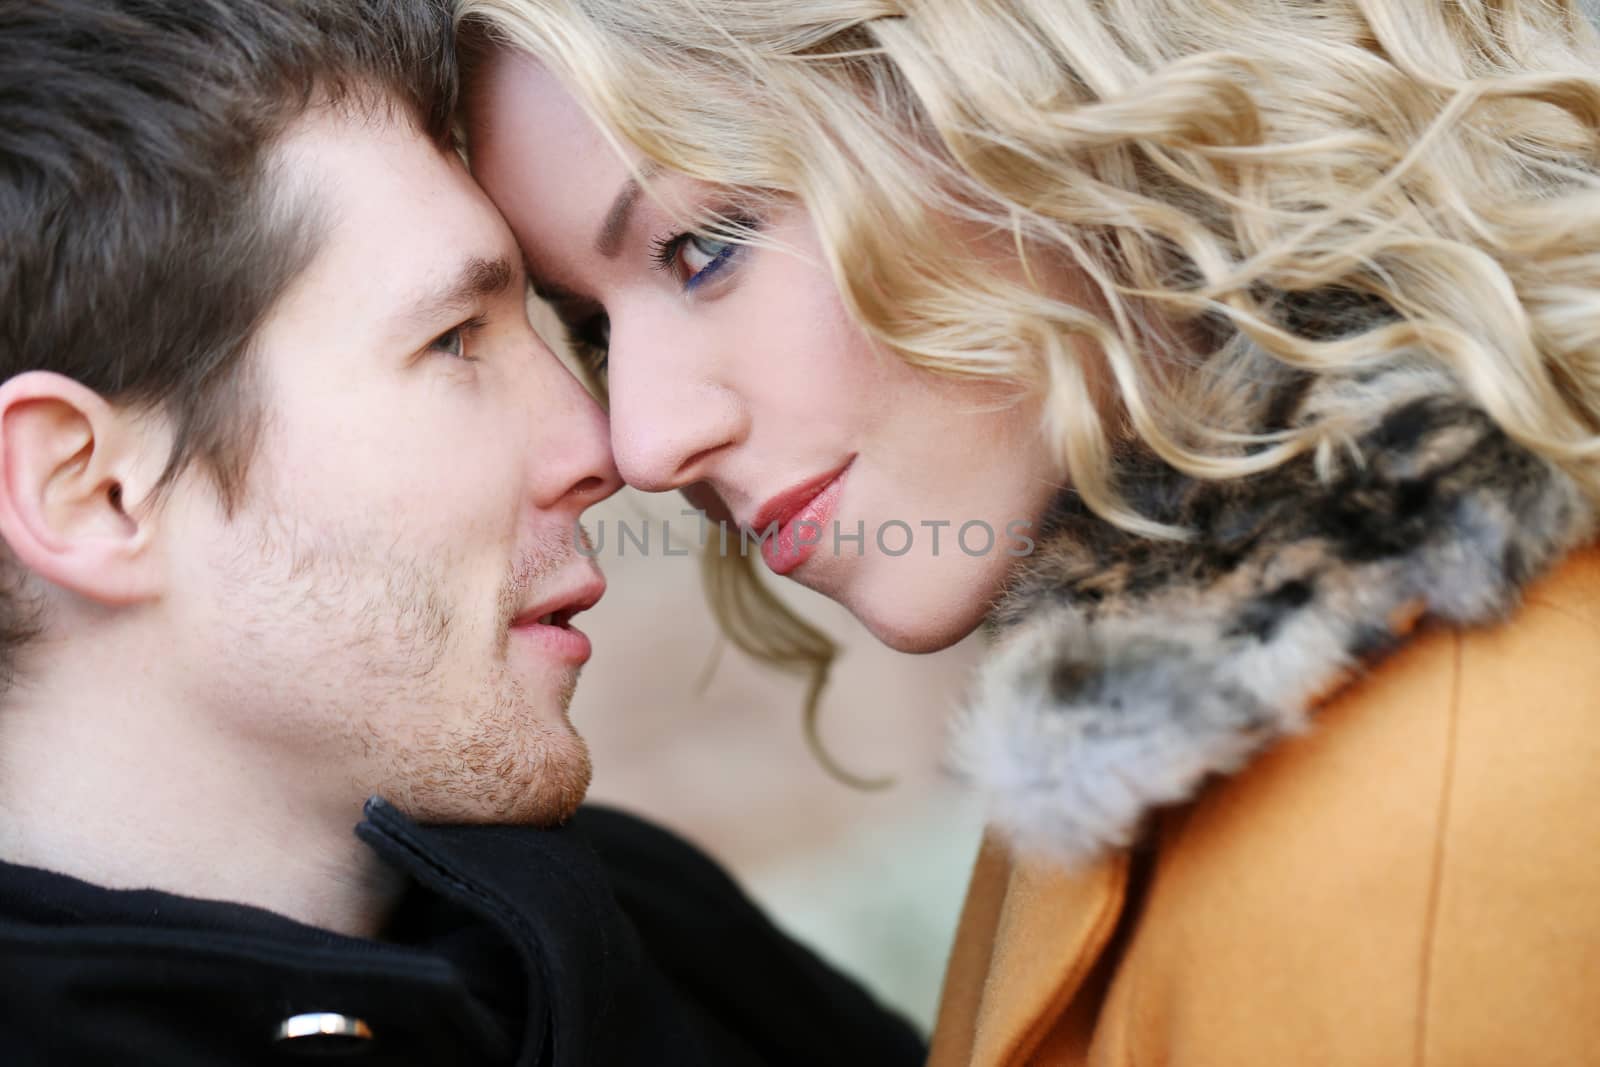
144 234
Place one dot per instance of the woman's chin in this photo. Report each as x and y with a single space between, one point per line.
918 625
917 606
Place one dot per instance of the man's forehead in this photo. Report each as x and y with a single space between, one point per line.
394 213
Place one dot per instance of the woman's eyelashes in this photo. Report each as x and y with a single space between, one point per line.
691 257
695 258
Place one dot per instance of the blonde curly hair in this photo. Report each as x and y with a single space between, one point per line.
1330 185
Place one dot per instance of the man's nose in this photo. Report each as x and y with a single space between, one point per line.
572 466
670 418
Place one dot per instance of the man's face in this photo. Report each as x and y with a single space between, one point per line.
368 618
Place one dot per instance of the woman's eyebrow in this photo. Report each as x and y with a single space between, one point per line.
608 242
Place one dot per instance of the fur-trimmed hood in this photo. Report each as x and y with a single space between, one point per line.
1128 671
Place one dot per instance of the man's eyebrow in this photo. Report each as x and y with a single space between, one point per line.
477 279
608 242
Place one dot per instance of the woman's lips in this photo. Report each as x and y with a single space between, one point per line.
802 510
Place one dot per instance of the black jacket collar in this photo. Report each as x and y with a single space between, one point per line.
510 948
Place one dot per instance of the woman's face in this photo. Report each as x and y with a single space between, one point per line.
737 370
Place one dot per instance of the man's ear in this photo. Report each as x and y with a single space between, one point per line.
73 470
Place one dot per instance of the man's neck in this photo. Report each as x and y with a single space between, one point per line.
109 785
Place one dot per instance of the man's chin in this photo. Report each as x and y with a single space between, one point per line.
552 807
540 781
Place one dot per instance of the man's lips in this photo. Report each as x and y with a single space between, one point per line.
549 620
558 608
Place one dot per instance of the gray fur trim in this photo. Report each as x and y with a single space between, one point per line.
1128 672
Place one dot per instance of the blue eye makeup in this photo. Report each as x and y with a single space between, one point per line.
695 258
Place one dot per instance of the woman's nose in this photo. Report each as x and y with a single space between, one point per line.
671 420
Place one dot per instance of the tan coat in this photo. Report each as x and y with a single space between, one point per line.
1415 880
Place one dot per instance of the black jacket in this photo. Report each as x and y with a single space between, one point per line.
608 942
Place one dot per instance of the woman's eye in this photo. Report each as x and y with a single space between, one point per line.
698 253
694 258
591 337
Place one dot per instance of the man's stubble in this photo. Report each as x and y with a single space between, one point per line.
424 705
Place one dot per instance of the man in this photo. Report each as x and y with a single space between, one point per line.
286 491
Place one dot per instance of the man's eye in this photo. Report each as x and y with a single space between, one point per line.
453 342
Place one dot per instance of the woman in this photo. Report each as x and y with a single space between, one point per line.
1264 337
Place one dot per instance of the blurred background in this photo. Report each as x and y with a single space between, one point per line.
689 732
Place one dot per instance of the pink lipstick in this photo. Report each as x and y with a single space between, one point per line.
801 511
